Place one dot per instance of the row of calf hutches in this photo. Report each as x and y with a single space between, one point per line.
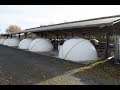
12 42
76 49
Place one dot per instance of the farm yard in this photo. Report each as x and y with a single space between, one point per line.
19 67
84 52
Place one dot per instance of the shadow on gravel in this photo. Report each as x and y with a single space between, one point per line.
100 73
18 67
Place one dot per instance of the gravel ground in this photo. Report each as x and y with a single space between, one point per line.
18 67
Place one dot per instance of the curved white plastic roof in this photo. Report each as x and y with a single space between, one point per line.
40 45
2 40
59 46
25 43
14 42
77 50
7 41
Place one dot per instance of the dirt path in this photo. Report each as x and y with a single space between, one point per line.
18 67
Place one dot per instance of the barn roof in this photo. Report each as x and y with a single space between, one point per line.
96 22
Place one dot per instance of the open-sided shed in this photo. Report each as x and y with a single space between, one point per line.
98 27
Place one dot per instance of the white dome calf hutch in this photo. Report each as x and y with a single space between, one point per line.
25 43
2 40
77 50
40 45
13 42
6 42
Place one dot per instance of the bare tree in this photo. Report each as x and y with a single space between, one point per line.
13 28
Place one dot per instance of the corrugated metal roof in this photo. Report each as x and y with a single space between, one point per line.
83 23
76 24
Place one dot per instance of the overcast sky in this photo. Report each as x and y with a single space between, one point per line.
28 16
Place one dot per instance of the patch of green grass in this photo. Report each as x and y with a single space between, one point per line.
104 70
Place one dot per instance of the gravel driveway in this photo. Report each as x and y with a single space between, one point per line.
18 67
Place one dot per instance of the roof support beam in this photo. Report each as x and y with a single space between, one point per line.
106 44
25 34
19 36
11 35
7 36
41 34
